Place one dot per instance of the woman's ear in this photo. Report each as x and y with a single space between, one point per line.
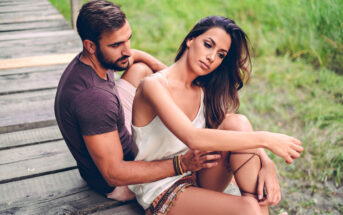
89 46
189 42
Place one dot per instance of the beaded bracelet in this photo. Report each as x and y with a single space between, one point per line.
177 165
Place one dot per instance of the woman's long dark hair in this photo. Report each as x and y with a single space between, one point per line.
222 85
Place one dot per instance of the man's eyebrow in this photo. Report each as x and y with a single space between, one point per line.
119 42
214 43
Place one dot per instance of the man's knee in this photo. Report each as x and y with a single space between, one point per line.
136 73
236 122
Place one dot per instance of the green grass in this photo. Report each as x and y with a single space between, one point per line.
297 83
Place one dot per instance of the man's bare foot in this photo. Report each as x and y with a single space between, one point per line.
121 193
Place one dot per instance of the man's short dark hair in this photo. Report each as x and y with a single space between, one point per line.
97 17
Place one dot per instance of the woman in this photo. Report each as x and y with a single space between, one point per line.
190 105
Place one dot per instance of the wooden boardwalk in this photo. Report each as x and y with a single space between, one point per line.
38 175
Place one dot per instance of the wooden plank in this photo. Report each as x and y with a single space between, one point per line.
17 19
43 60
55 67
127 209
26 7
64 46
59 193
23 14
41 25
27 110
26 125
10 84
15 2
30 137
29 161
29 35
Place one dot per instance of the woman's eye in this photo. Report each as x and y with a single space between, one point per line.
207 45
221 55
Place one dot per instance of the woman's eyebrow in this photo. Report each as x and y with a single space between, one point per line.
214 43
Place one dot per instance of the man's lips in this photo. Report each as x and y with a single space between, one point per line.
124 60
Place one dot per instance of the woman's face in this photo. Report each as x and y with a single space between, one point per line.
207 51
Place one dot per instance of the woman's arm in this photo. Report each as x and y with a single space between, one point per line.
156 95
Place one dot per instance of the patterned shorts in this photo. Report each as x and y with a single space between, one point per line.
162 204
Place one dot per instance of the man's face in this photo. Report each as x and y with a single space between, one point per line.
113 50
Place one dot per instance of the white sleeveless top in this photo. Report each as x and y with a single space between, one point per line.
156 142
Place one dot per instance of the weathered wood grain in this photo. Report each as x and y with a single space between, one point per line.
29 137
29 35
58 67
27 110
59 193
17 19
127 209
29 161
29 81
7 17
40 25
38 6
35 61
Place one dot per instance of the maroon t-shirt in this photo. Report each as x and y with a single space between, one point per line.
85 104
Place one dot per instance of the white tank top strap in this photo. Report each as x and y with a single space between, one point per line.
162 75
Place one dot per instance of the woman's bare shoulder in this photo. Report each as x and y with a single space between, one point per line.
153 82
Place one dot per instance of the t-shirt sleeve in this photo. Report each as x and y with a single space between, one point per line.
96 111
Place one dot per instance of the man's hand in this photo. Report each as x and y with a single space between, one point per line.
195 160
267 179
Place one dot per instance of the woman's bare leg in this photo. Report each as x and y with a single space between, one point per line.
194 200
218 178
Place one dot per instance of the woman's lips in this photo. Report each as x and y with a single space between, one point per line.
204 65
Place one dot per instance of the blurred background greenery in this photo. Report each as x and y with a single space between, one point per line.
297 83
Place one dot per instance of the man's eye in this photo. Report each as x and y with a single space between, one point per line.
115 45
207 45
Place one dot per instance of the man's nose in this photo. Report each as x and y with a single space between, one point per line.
126 49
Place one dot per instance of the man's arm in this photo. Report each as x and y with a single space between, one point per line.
140 56
106 152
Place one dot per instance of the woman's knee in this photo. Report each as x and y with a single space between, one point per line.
236 122
250 206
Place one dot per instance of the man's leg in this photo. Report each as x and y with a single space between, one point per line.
126 88
136 73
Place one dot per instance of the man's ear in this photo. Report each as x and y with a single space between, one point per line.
89 46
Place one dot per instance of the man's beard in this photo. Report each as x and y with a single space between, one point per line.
108 64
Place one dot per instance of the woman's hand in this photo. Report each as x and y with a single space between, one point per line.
195 160
287 147
268 182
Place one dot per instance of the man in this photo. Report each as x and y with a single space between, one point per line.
90 113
